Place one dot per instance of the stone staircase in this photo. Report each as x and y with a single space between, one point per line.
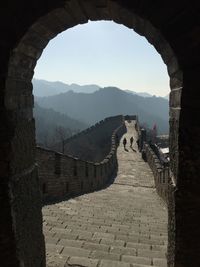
123 225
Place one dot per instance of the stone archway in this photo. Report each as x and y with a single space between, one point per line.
22 185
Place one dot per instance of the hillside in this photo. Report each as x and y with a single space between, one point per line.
107 102
144 94
51 126
43 88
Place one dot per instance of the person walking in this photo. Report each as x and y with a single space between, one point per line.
131 141
124 142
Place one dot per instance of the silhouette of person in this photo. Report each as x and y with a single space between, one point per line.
124 142
131 141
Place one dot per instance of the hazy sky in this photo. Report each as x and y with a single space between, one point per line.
106 54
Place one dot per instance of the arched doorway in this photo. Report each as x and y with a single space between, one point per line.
18 165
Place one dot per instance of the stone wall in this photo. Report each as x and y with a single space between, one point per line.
161 174
92 144
63 176
172 27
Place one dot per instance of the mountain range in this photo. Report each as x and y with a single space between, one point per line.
110 101
51 124
144 94
43 88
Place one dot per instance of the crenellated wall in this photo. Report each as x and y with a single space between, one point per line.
172 27
92 144
65 176
161 173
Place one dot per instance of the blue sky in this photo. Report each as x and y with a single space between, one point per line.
106 54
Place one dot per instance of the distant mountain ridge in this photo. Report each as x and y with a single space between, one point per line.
43 88
144 94
110 101
48 122
167 97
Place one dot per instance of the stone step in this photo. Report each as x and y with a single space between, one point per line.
123 225
101 251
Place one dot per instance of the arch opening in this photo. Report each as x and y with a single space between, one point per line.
20 72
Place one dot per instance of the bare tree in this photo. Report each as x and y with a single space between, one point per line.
62 134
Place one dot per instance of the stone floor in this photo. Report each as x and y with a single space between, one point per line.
124 225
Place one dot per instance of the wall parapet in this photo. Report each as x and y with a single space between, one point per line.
92 144
92 128
63 176
161 173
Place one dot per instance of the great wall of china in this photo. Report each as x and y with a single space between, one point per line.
27 27
64 176
105 213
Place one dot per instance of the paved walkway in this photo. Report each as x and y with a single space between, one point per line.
124 225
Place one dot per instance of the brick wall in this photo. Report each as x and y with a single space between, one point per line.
63 176
161 173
